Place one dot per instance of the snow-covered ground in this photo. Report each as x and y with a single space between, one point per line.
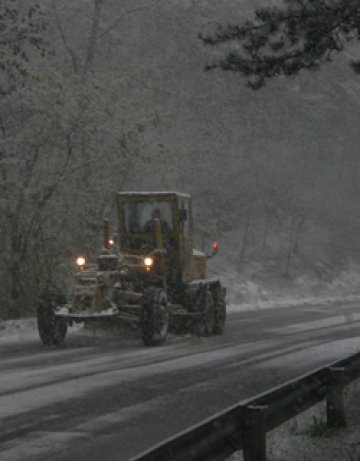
22 330
245 292
306 437
26 329
255 285
290 301
18 330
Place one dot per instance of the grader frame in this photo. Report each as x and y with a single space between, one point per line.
149 276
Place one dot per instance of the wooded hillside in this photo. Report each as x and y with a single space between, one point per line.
98 96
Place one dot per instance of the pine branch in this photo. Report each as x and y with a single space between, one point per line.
284 40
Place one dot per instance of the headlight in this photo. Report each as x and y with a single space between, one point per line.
148 262
81 262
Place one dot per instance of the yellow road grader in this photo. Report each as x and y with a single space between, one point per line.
149 276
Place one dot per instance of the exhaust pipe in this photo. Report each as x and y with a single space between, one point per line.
106 234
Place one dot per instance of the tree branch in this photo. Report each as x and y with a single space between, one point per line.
74 58
93 35
282 41
119 19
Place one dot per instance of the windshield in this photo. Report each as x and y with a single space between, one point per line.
139 216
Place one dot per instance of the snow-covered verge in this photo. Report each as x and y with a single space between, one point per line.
306 437
24 330
290 301
254 288
257 299
15 330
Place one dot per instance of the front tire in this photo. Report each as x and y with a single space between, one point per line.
154 317
52 330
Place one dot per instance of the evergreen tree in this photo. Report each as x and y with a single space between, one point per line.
301 34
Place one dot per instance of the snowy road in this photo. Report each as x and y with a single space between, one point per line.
100 397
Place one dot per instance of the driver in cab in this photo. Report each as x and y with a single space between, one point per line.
150 224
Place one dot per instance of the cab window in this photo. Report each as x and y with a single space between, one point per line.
139 216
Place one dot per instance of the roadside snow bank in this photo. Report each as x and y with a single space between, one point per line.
23 330
290 302
245 292
253 290
20 329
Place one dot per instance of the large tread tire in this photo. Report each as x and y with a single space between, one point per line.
52 330
154 317
205 325
220 310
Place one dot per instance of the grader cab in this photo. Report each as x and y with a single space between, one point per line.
149 275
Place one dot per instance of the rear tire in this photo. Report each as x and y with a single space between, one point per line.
52 330
220 310
205 325
154 317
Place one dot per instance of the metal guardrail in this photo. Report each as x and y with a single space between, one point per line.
244 425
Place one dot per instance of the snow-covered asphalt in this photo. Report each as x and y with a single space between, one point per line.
107 397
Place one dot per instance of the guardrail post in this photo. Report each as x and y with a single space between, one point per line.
254 433
335 410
